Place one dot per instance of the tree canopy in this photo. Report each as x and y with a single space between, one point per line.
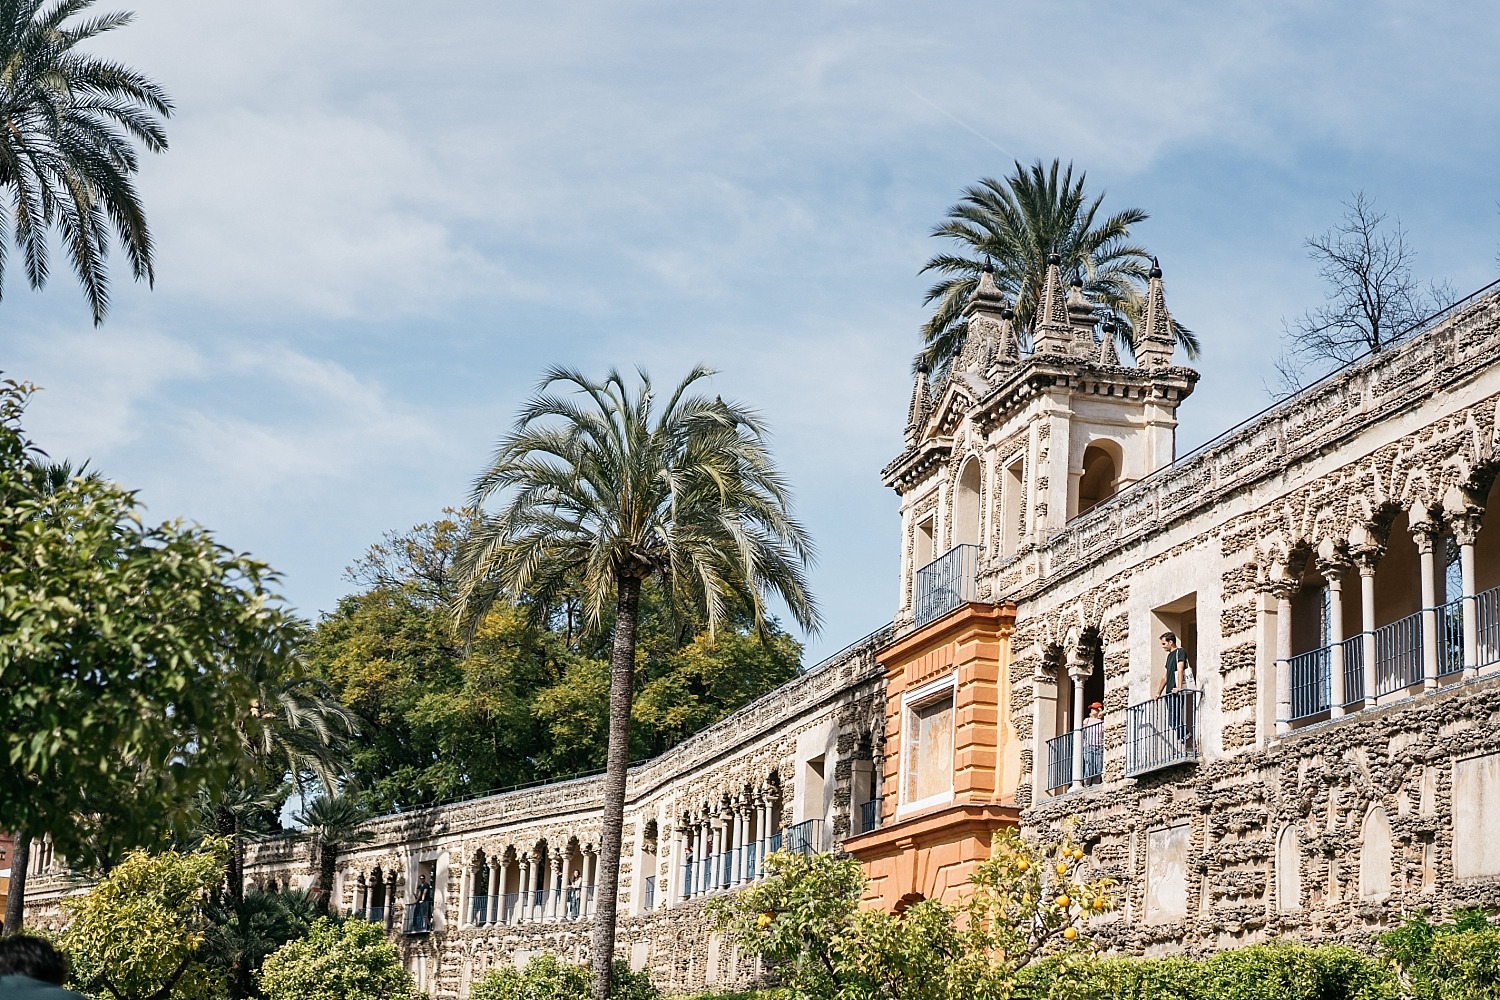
118 645
528 696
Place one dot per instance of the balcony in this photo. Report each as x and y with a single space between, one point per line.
418 918
722 871
1060 752
1161 733
869 815
946 583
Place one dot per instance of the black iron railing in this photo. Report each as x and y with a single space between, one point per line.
1487 613
1398 654
1450 632
419 917
1060 751
1162 732
947 582
650 891
1354 669
1311 679
869 815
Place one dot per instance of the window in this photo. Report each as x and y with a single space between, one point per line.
927 727
1100 475
1013 496
924 543
966 505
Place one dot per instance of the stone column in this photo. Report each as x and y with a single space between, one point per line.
1426 535
1366 559
465 894
1079 673
1466 532
1282 590
497 889
533 883
1333 571
762 836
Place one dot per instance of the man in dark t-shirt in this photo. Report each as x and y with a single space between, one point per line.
31 969
1175 681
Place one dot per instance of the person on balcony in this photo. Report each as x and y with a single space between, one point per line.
1179 677
1093 744
422 918
575 895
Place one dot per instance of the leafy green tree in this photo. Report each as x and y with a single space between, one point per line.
243 936
1450 961
332 822
118 645
141 932
547 978
348 960
1016 223
1028 902
603 491
68 150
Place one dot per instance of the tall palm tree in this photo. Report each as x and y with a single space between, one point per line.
603 490
332 823
295 729
67 146
1016 223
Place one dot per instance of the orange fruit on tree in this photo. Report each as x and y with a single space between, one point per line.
1063 902
1062 869
1071 933
1098 902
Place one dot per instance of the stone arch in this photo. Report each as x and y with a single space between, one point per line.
1289 870
1101 468
968 489
1375 855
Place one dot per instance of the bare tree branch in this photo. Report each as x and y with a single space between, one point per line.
1372 296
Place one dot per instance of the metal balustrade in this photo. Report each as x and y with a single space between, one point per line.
1398 654
944 584
1060 750
1311 679
721 871
650 891
869 814
1354 670
1450 633
479 909
1487 612
1162 732
418 918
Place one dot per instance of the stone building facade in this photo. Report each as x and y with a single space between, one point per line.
1330 762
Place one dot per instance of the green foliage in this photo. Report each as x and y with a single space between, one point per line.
349 960
243 936
529 696
140 934
118 645
547 978
1453 961
69 146
1260 972
805 921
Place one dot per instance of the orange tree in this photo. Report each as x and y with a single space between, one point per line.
1028 901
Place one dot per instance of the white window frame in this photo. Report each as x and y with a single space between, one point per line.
911 701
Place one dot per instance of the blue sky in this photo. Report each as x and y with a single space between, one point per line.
379 221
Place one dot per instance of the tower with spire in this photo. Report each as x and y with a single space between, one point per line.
1009 447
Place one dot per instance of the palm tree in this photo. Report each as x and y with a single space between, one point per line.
1016 223
603 492
296 729
67 148
332 823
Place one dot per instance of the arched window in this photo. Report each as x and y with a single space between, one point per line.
966 505
1289 870
1375 856
1101 475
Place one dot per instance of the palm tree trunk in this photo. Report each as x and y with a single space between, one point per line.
228 824
15 903
621 678
328 858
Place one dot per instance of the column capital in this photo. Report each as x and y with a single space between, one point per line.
1466 524
1334 568
1366 558
1282 588
1425 534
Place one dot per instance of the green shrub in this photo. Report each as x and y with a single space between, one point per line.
1259 972
1454 961
548 978
351 960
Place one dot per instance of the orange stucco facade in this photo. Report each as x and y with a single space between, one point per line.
928 849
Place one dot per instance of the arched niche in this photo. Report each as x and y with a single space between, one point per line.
1101 474
1375 856
1289 870
966 513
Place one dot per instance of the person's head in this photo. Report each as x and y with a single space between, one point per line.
33 957
1096 709
1168 640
